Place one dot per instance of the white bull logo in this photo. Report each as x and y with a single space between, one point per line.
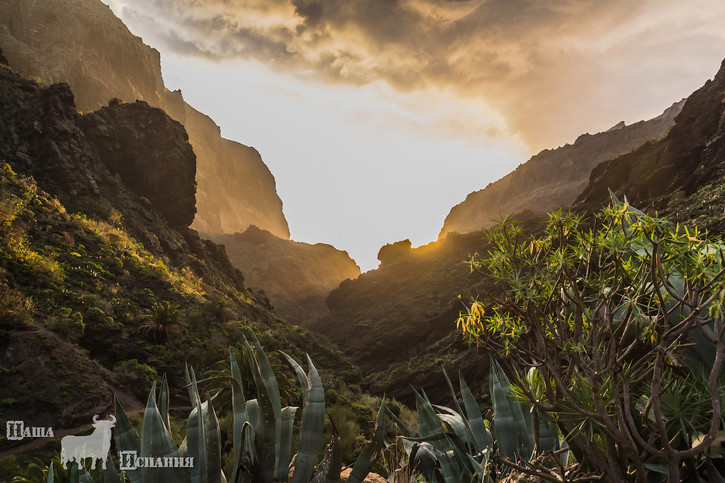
95 445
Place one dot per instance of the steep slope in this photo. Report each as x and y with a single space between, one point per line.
397 322
103 287
412 299
554 177
680 174
297 277
82 43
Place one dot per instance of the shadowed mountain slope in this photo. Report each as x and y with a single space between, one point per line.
554 177
679 174
81 42
103 287
412 297
297 277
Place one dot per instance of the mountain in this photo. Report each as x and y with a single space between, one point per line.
412 297
82 43
103 286
297 277
554 177
681 174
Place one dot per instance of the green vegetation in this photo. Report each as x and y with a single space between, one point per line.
618 327
260 446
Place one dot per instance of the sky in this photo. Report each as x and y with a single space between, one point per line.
376 117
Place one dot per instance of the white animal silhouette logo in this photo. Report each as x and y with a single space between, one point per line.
95 445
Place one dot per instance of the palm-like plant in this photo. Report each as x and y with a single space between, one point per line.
162 319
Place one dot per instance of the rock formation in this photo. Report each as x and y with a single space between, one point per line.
82 43
93 238
554 177
297 277
674 168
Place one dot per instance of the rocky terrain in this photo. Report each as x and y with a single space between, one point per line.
297 277
554 177
82 43
103 286
412 297
679 174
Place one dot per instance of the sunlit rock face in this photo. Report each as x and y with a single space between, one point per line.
82 43
554 177
297 277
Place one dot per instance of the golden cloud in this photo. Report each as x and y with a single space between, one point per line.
551 69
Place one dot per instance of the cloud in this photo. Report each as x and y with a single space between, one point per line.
551 69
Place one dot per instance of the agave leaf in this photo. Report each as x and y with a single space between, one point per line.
322 472
455 425
428 423
254 418
333 471
268 378
213 444
240 412
301 376
468 467
269 409
313 422
363 463
503 417
110 474
164 402
405 431
74 473
195 443
548 435
51 476
125 436
156 442
284 442
481 434
424 459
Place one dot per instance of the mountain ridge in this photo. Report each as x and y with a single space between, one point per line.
553 177
83 43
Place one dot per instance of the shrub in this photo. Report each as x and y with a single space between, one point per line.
616 319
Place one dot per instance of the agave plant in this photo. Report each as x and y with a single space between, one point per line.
455 445
263 432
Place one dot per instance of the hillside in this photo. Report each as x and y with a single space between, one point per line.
82 43
679 174
412 296
554 177
103 287
297 277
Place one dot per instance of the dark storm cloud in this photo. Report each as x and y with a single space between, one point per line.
529 59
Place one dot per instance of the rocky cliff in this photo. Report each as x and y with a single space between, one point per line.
297 277
681 173
554 177
82 43
94 244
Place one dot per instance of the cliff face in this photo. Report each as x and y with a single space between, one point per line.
297 277
93 237
552 178
82 43
678 172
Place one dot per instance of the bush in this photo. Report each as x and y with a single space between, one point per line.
67 323
618 320
135 376
16 310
